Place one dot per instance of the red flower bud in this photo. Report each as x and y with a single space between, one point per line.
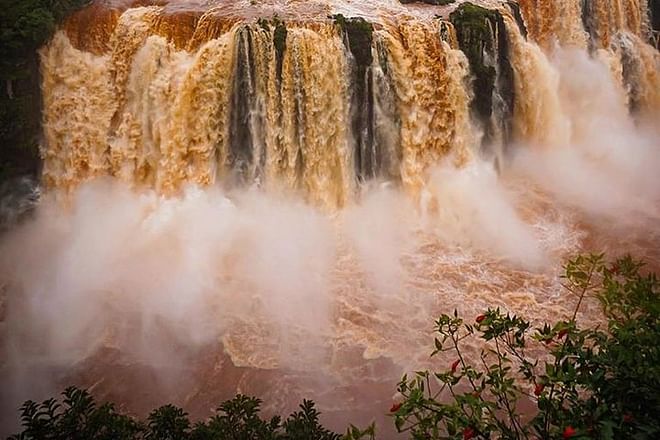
454 366
395 407
538 389
569 432
480 318
468 433
628 418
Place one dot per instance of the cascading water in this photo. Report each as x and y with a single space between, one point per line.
278 197
275 102
240 107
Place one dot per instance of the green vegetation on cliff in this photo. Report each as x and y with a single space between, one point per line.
475 37
482 37
25 26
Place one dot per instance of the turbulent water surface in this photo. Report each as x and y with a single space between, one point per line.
250 197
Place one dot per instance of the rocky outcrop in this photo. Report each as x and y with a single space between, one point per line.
482 37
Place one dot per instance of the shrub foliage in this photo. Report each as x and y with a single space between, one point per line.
79 417
596 383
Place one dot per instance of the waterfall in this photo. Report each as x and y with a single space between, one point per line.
433 100
537 117
277 197
620 27
160 97
554 21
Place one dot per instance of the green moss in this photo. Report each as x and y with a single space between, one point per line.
475 27
429 2
473 19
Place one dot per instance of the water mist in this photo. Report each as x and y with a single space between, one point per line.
283 207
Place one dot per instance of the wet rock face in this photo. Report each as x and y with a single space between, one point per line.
358 36
654 20
18 198
654 13
514 7
482 37
474 29
241 143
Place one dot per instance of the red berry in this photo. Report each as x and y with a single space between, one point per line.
454 366
468 433
569 432
627 418
395 407
538 389
480 318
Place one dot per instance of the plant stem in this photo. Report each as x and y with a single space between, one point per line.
558 359
505 398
